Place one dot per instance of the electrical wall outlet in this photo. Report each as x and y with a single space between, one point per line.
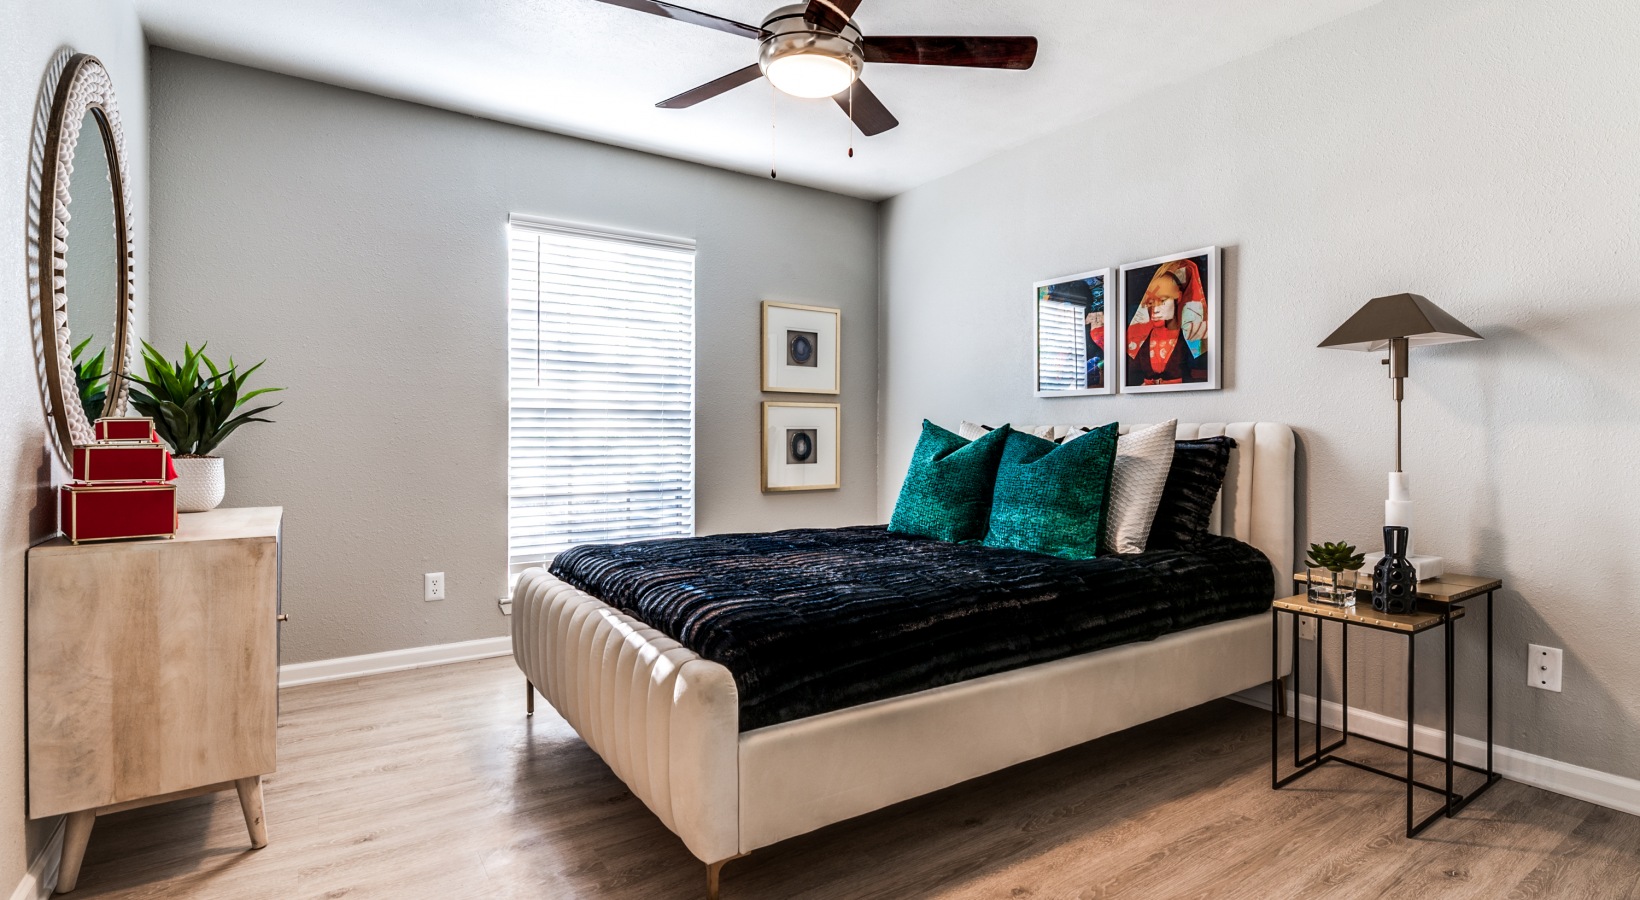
432 586
1543 667
1306 628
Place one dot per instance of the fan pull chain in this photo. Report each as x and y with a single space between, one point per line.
851 117
772 110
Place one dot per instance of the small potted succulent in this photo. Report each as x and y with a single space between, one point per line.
195 406
1326 563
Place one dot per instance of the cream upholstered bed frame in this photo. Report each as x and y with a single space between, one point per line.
667 721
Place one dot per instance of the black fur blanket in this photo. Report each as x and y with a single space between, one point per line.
814 620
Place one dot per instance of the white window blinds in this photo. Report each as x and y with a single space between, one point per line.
601 363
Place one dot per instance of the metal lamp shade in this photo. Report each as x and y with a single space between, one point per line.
1408 316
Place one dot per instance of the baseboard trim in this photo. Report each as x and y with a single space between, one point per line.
41 878
1601 788
392 661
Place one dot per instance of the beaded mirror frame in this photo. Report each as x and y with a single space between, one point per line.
76 84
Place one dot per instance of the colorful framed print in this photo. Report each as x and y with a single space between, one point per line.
800 348
1072 334
802 447
1172 323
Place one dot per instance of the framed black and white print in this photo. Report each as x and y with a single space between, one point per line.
1072 332
1172 323
800 351
801 447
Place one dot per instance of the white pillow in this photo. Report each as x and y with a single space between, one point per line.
974 430
1143 459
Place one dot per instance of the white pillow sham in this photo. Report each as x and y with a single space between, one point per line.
973 430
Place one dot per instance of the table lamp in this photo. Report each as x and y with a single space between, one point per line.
1398 323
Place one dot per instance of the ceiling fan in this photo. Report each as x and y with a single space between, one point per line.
815 50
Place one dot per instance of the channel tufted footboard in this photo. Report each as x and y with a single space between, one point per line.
664 719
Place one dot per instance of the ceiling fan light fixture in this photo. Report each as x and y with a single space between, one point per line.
811 76
806 61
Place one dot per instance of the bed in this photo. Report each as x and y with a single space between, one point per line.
729 777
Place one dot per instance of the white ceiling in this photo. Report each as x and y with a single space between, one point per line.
588 69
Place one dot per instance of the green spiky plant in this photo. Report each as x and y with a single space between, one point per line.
194 402
1336 558
90 381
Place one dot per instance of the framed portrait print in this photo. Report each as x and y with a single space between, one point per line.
800 352
801 447
1172 323
1071 336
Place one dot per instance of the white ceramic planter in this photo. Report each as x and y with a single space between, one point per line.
200 483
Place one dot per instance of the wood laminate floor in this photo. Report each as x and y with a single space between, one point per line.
432 784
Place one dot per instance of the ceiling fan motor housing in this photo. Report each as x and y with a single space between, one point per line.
829 58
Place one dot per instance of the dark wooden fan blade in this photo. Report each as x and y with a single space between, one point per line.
693 17
929 50
832 14
713 88
869 114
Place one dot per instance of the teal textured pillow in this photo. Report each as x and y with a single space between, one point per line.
1052 498
947 492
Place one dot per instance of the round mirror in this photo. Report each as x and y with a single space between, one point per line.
91 268
83 288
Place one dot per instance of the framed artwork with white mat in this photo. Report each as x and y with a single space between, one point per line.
1172 323
802 448
800 348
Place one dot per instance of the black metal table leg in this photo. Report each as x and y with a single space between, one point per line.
1298 708
1275 697
1412 675
1320 630
1446 627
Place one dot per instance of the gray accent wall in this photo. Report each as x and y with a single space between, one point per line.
358 243
1474 152
31 34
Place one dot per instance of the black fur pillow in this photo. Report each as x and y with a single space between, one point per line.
1192 486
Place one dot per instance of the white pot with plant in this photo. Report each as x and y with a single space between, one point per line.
195 405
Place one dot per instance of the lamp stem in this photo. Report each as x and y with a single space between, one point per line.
1398 358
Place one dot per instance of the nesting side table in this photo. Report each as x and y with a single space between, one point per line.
1440 607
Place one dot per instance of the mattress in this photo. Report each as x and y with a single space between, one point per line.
814 620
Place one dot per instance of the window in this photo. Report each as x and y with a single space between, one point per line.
601 367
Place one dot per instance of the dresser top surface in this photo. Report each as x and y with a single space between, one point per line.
240 523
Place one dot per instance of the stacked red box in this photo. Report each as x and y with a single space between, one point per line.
126 428
121 486
108 462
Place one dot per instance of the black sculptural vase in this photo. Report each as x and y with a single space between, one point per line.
1394 580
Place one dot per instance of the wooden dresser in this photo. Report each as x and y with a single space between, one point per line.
153 671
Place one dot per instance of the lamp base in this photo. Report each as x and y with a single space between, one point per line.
1429 567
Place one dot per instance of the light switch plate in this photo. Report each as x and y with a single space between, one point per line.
1543 667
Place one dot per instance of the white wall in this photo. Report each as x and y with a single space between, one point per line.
358 243
1484 154
30 36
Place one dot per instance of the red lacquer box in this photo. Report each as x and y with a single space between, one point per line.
110 512
126 428
131 461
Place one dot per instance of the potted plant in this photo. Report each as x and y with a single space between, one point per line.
195 406
1327 562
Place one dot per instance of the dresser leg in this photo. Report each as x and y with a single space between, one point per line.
76 834
250 800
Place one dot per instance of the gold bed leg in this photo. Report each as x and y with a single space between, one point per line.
714 874
529 698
